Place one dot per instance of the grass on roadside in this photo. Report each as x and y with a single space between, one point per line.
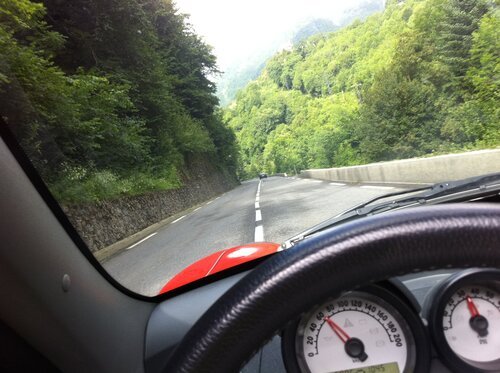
81 186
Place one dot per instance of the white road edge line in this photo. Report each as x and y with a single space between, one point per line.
259 233
258 215
176 220
141 241
209 202
376 187
197 209
337 184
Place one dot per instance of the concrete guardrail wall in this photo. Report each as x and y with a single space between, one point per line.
415 170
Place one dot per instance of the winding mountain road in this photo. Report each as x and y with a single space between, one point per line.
273 209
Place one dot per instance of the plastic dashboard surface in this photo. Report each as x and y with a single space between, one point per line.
174 317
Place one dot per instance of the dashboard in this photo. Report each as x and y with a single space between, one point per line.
439 321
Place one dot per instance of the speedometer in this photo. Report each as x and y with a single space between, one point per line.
366 330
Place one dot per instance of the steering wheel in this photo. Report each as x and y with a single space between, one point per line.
339 259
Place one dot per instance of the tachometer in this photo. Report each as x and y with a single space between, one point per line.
366 330
465 321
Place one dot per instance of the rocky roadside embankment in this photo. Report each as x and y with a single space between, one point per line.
103 223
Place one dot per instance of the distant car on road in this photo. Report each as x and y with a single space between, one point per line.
262 175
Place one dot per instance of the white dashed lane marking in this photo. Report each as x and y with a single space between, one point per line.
176 220
376 187
259 233
258 215
141 241
337 184
259 228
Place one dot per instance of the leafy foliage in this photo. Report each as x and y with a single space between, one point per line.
117 90
419 78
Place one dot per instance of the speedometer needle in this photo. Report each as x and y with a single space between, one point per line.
472 307
353 347
477 322
344 337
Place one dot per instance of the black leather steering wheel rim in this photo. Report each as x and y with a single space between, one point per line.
339 259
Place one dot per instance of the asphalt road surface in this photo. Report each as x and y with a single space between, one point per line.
272 210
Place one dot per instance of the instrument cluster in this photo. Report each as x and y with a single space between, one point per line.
379 329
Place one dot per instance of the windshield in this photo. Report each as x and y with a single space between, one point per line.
170 130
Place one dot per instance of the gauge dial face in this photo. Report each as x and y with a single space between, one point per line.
471 324
357 330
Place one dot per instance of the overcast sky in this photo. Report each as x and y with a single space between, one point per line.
236 29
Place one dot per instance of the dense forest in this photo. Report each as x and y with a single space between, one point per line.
109 97
420 78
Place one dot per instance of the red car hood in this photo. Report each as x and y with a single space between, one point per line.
219 261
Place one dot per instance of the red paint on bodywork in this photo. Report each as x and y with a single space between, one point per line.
220 261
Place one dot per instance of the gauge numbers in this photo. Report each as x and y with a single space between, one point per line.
358 330
471 324
464 319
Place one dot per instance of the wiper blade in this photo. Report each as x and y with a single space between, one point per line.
419 196
363 205
434 191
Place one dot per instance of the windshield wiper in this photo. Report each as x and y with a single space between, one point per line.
419 196
433 192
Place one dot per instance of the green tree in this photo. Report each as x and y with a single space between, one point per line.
455 40
111 96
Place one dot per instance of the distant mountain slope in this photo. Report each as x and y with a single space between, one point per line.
316 26
393 86
237 76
